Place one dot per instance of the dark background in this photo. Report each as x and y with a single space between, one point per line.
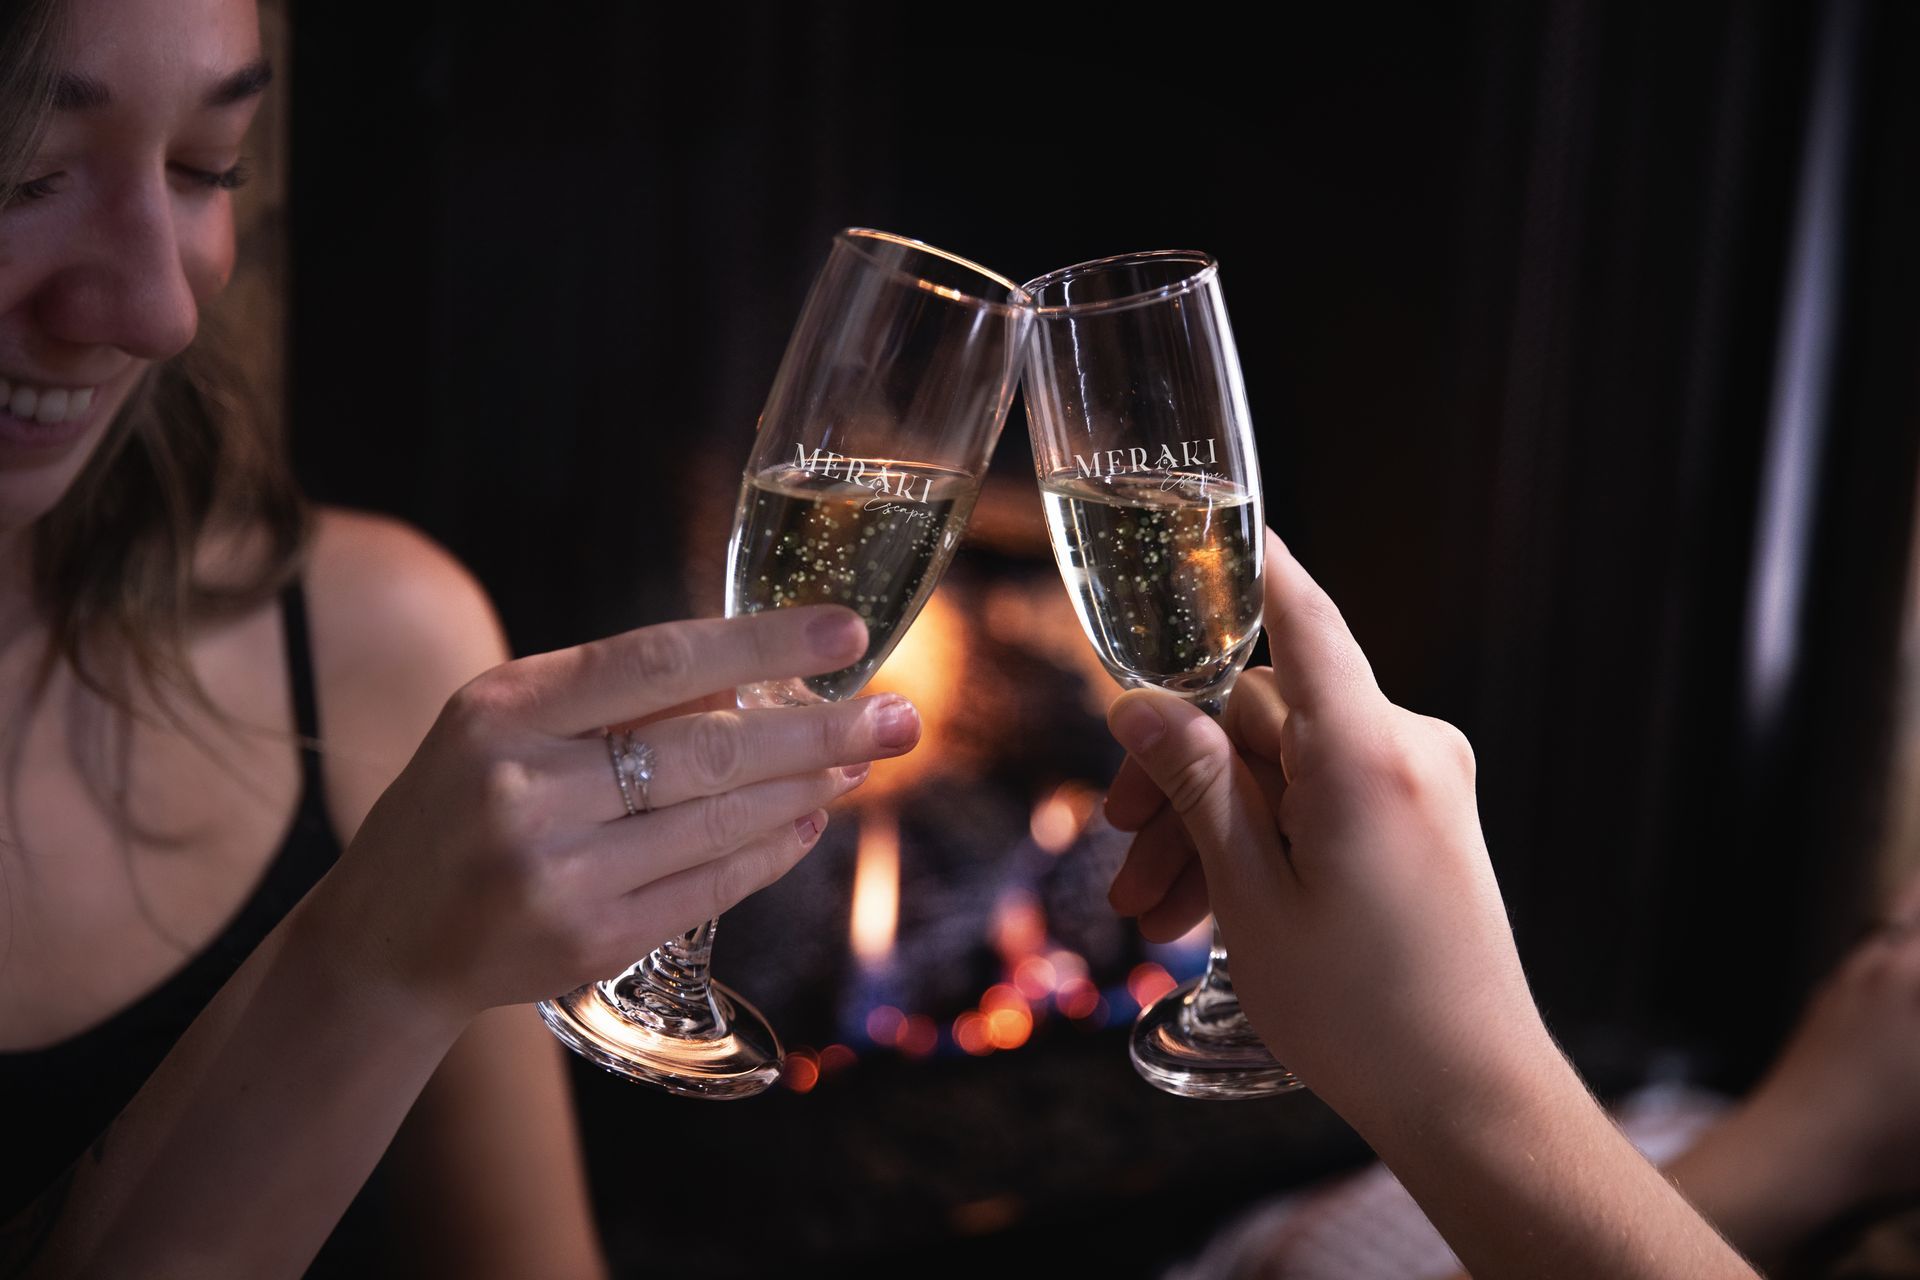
1510 282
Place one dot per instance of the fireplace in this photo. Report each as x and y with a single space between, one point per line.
954 994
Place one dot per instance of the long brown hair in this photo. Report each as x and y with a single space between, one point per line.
28 31
118 566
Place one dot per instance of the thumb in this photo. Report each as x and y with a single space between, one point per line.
1190 759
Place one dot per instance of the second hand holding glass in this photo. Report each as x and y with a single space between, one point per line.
1145 454
869 457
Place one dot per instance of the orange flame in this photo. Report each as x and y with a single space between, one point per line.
876 887
1061 815
928 669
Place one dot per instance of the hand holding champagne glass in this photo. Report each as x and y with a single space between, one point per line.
870 454
1145 454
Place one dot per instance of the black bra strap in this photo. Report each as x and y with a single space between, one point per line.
306 709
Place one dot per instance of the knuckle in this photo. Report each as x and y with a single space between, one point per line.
659 655
717 747
724 819
1194 780
506 790
479 708
1457 748
840 732
1422 759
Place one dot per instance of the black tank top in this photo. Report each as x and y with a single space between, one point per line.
56 1100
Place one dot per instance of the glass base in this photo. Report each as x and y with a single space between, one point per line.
1178 1049
743 1061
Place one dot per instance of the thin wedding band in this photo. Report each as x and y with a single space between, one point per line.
619 774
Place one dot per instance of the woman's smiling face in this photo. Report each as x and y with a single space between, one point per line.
123 228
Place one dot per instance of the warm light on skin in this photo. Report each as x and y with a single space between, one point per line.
876 887
107 266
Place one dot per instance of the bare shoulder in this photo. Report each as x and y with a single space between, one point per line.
398 624
386 592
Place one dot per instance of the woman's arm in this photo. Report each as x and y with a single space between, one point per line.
487 1170
496 870
487 1173
1340 848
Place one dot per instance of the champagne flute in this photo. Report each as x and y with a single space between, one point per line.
1145 454
870 454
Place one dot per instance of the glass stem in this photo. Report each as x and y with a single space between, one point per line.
671 992
1211 1012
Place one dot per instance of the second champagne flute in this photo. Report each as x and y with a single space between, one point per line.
870 453
1144 449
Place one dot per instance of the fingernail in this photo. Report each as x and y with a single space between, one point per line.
1137 725
895 722
810 827
836 634
855 774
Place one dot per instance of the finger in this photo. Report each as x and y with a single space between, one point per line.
1132 799
1318 665
629 676
1191 760
1154 862
1184 906
715 751
621 856
1256 714
673 904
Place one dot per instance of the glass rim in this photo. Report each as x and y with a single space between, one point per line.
858 239
1207 270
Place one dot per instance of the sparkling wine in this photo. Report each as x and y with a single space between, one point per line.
871 534
1164 571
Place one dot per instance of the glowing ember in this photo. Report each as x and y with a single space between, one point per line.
801 1070
1035 978
1009 1028
1009 1017
876 887
970 1033
885 1024
1062 815
1077 998
1019 926
1148 982
920 1037
1066 965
